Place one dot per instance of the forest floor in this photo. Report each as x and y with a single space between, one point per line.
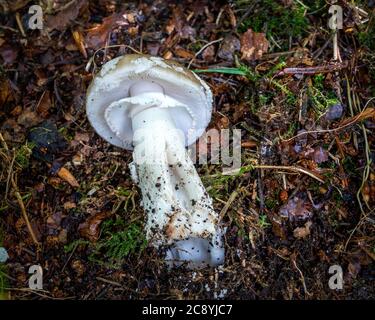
301 94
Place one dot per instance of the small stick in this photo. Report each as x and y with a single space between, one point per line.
19 199
201 50
19 23
292 168
23 210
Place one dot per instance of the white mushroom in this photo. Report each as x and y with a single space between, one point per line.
156 108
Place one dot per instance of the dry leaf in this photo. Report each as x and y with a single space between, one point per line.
183 53
229 46
253 45
90 228
65 17
248 144
302 232
65 174
296 209
79 41
97 36
44 104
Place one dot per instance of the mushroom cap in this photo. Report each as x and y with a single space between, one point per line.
191 114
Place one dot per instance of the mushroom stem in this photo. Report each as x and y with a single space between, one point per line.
179 210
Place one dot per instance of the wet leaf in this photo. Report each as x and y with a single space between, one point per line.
253 45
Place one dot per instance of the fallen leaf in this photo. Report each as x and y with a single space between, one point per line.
5 93
65 174
249 144
97 36
69 205
229 46
8 53
80 43
253 45
302 232
90 228
183 53
208 54
320 155
65 17
29 118
296 209
44 104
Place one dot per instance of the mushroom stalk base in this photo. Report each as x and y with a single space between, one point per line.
179 210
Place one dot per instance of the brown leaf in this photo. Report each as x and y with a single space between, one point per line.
8 53
29 118
79 41
183 53
5 92
249 144
97 36
296 209
90 228
66 16
302 232
230 45
253 45
44 104
208 54
65 174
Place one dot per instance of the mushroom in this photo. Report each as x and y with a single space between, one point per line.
156 108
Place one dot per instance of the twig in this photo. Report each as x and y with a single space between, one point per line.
18 196
227 205
201 50
292 168
19 23
347 123
313 70
23 210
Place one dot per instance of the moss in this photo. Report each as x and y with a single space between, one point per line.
117 245
263 221
273 18
23 154
118 241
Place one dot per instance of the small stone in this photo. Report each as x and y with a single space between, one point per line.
3 255
334 112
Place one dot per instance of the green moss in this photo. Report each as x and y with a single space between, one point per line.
273 18
262 222
118 241
23 154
